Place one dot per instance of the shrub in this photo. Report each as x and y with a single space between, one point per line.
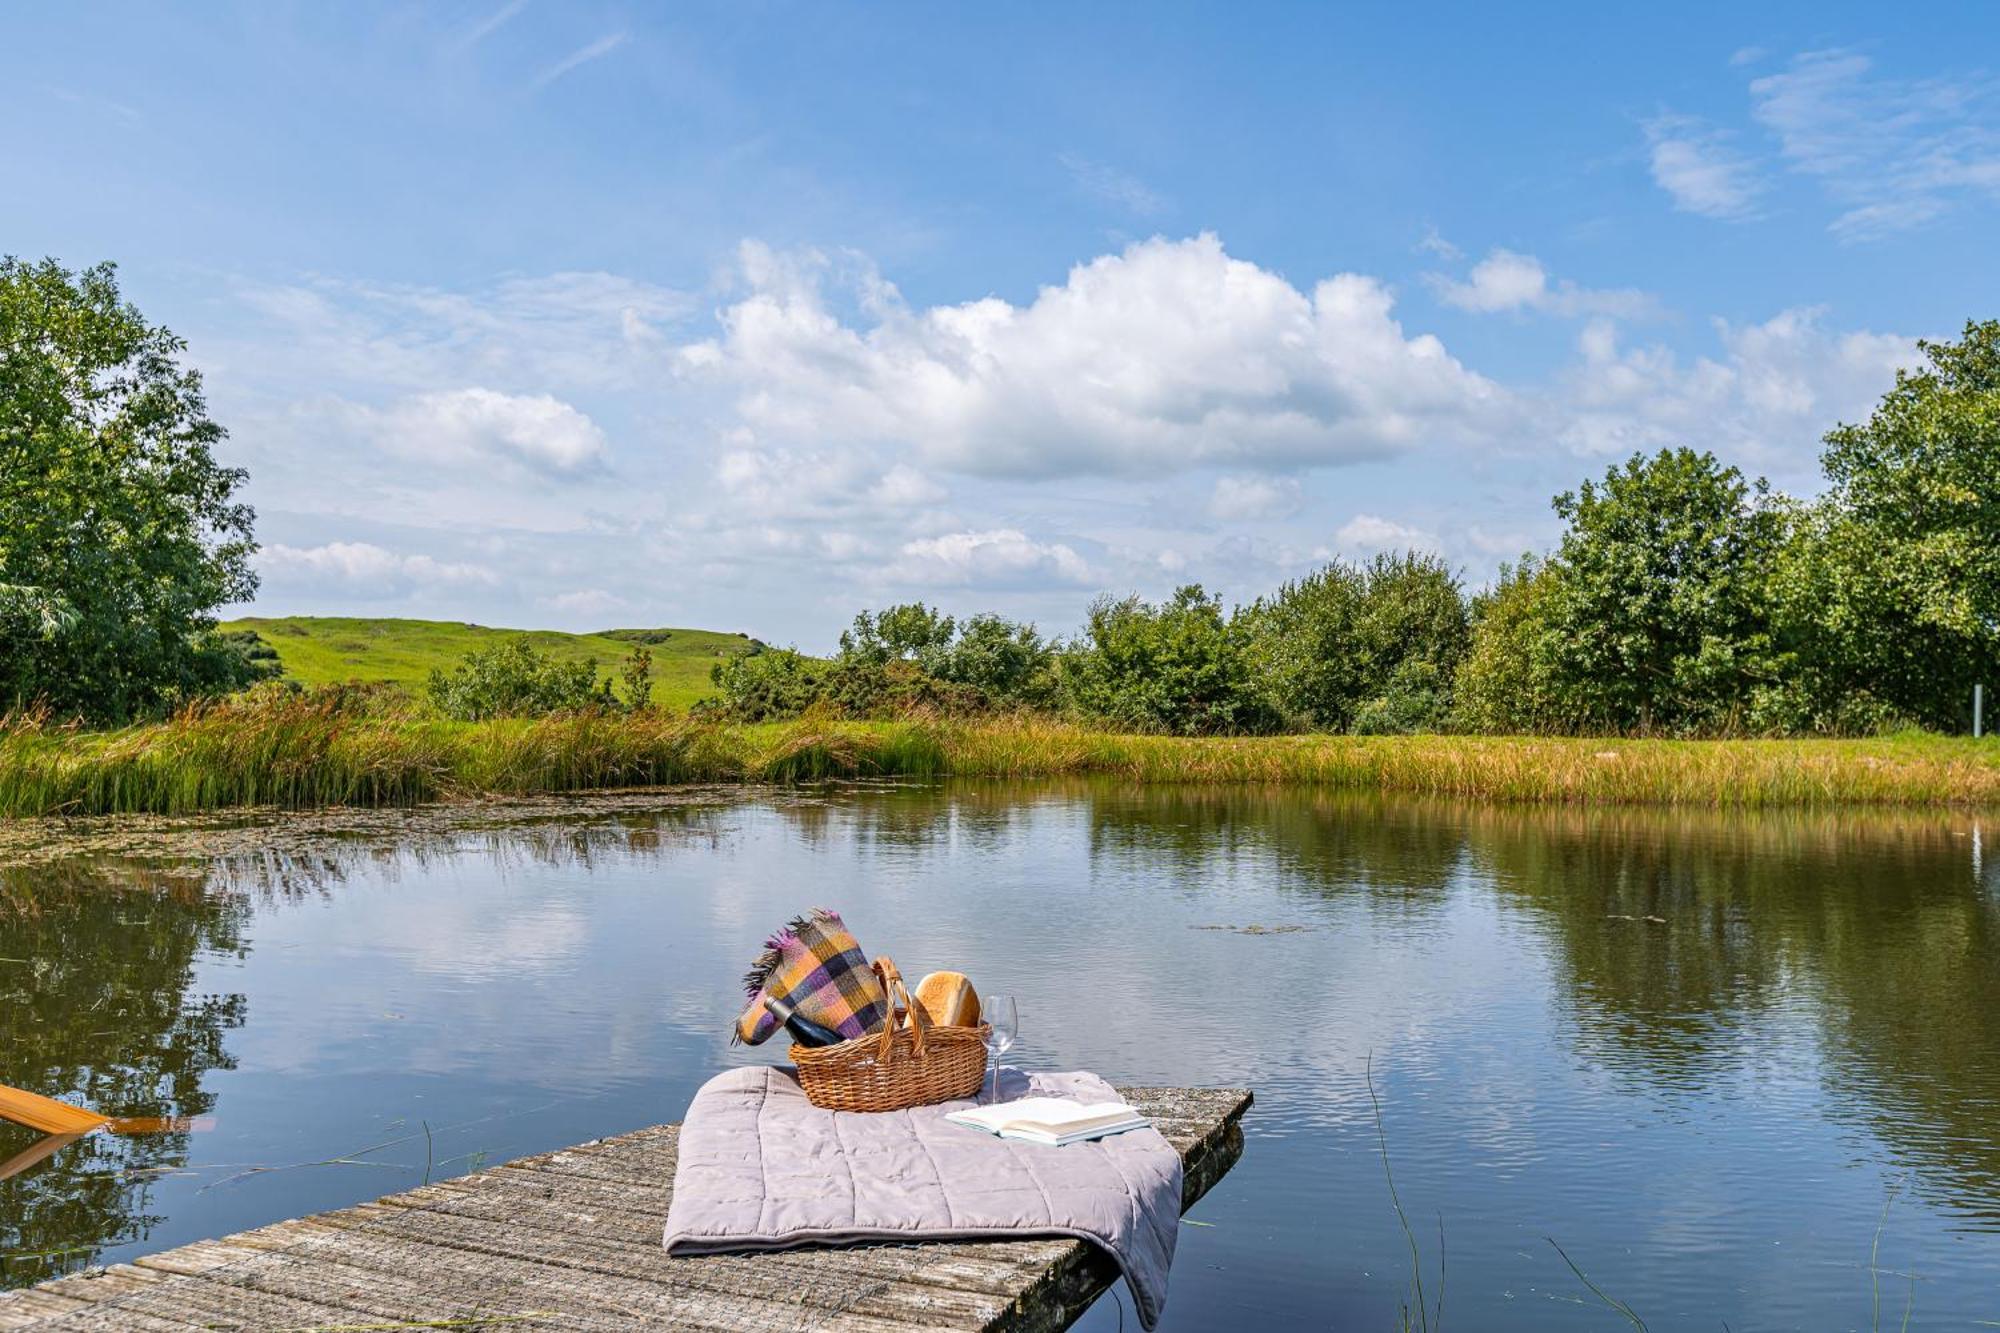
1180 667
636 676
1414 698
895 689
1507 680
911 632
1006 662
774 683
512 679
1353 635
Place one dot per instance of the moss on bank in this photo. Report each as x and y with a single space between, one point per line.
304 756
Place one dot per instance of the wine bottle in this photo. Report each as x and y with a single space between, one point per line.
804 1031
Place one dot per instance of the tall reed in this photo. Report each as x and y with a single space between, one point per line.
313 753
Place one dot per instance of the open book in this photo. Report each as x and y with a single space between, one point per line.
1051 1120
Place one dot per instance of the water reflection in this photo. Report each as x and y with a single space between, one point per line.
1680 938
1696 1043
96 972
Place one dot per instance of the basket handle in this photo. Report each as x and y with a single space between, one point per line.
894 990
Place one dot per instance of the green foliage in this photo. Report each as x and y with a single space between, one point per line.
636 677
1005 661
1909 550
119 531
1828 607
900 662
758 687
863 689
260 659
1415 697
909 632
1181 667
1382 639
1508 682
512 679
1656 617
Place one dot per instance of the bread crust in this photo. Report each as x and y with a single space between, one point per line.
947 999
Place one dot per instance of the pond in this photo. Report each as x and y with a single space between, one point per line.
1741 1069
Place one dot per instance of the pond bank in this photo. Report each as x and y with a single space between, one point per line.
307 757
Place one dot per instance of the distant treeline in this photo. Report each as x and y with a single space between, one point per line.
1682 599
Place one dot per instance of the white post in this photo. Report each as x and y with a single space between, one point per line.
1978 710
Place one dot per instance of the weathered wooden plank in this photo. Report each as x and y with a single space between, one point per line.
571 1240
590 1211
99 1300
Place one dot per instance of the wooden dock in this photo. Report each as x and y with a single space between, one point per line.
571 1240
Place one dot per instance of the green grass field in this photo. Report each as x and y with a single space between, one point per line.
326 650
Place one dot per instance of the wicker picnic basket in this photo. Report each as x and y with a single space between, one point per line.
905 1064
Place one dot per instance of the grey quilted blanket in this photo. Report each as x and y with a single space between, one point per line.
761 1168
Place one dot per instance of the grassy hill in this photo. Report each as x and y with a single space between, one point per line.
320 650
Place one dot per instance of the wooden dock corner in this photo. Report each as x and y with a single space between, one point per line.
571 1240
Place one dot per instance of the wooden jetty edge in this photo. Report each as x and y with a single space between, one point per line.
571 1240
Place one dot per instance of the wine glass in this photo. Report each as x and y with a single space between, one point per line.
1003 1025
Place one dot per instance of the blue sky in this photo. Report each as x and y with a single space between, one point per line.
746 316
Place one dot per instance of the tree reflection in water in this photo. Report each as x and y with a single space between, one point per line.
1677 943
1678 935
96 988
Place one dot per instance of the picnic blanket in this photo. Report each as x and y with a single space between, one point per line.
815 966
761 1168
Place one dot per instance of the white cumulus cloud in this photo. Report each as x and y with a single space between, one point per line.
1505 280
1005 557
1169 355
1776 387
1370 533
365 568
536 431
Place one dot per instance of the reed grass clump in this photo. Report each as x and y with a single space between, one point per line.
313 751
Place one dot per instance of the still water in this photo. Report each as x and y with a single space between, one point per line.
1718 1060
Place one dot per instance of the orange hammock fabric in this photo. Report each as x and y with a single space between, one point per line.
46 1114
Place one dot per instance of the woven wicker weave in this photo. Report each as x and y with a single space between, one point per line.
913 1064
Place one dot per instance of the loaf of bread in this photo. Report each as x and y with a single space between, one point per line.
947 1000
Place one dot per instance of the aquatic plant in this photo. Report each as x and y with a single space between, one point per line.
313 749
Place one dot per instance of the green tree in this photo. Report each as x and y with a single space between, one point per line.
1657 610
120 534
1005 661
1507 681
908 632
512 679
1302 644
1909 550
1364 647
1846 653
1182 666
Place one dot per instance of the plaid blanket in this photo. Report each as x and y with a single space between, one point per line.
815 965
